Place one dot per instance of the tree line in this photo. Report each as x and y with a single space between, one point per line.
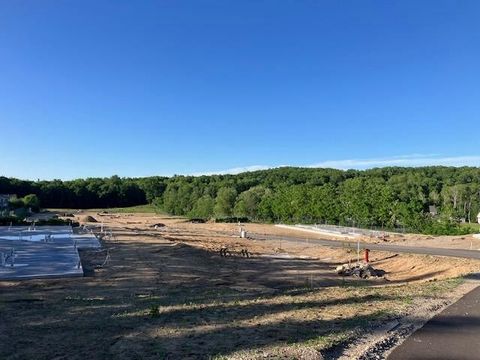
427 199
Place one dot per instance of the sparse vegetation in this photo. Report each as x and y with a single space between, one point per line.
472 228
154 311
139 209
173 297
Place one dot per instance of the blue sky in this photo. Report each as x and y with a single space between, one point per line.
137 88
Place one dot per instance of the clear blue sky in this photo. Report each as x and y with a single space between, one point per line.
135 88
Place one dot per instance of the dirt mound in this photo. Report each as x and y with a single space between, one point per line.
88 218
363 271
197 221
157 225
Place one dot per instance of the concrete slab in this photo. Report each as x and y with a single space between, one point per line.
37 258
40 260
86 241
64 229
312 229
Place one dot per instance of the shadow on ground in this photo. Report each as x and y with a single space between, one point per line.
207 305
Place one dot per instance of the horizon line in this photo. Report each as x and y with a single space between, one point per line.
401 161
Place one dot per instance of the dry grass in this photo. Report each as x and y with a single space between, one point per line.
167 294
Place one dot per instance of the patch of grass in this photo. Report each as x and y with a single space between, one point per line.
348 330
144 209
473 226
329 340
154 311
218 357
438 287
408 300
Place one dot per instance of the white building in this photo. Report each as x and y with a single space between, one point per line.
478 218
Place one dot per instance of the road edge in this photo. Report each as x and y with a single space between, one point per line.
379 342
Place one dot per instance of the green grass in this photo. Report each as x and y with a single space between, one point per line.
474 226
149 208
437 287
146 209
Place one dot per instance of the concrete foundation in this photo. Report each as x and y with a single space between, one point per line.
42 253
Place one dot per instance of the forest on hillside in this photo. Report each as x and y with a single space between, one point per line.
390 197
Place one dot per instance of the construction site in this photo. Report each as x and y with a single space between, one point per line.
153 286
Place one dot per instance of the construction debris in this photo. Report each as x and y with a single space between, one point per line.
361 270
224 252
245 253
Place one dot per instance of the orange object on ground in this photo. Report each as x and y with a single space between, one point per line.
366 255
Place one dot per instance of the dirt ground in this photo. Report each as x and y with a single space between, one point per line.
213 236
166 293
469 242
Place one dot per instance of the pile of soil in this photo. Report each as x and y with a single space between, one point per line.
157 225
88 218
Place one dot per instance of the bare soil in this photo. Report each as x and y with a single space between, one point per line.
166 293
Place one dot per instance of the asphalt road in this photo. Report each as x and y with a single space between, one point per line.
452 334
459 253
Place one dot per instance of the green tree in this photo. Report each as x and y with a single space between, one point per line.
225 202
31 201
203 207
16 203
248 202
